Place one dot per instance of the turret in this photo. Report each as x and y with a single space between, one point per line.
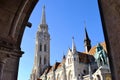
73 45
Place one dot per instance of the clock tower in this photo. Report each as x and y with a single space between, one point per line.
42 52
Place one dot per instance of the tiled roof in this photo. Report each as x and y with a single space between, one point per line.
56 65
48 69
92 50
85 58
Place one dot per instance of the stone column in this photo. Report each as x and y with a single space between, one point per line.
110 16
3 59
1 69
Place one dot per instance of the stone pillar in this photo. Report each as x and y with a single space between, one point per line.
1 69
9 62
110 16
3 59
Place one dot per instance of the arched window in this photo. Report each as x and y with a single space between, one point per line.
40 60
84 71
70 75
40 47
44 60
98 77
45 48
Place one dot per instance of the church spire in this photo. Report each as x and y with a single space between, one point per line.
43 26
43 16
87 42
73 45
86 35
42 48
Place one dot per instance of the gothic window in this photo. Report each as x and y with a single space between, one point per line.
70 75
84 71
68 60
45 47
74 59
98 77
44 60
40 60
40 47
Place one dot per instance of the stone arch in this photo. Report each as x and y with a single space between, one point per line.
13 21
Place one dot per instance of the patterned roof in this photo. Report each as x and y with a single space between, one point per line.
85 58
92 50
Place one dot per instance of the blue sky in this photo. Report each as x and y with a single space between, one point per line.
65 19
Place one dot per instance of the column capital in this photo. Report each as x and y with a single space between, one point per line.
3 57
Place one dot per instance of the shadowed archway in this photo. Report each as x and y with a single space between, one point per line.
14 15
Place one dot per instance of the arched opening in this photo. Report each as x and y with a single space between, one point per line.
45 47
98 77
40 47
40 60
44 60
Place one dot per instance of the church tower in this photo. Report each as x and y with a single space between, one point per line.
42 52
87 42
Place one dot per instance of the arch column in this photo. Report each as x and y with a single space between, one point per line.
3 59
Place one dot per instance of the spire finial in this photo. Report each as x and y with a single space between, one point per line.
87 42
43 15
85 24
73 45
